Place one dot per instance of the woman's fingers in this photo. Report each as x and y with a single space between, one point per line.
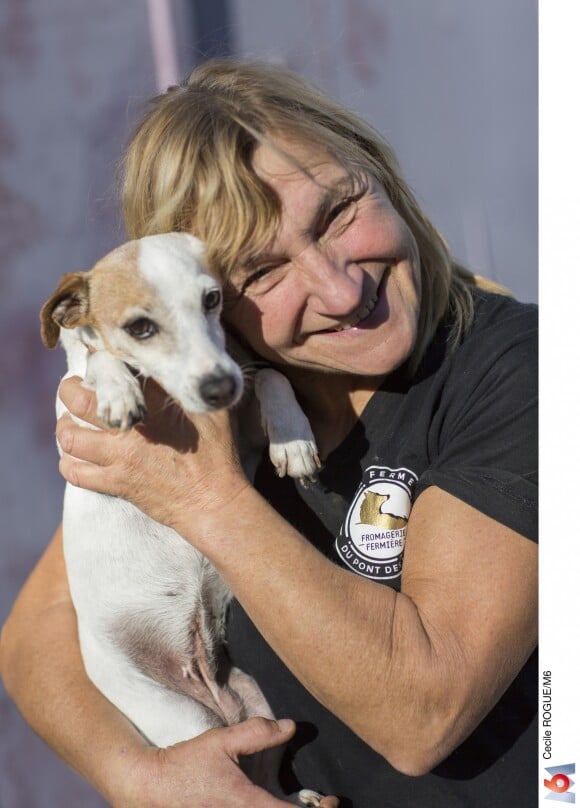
79 400
85 475
91 458
169 467
87 444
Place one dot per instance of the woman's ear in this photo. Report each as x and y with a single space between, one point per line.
67 307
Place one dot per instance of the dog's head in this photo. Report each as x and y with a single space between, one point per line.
154 304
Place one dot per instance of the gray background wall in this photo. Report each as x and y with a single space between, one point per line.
451 83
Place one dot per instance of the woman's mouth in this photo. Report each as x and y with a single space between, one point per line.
368 315
360 315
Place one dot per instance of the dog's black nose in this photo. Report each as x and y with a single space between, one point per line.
218 389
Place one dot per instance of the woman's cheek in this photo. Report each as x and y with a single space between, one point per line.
260 323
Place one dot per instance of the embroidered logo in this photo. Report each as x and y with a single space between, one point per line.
372 538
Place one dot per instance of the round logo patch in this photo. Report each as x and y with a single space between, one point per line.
372 538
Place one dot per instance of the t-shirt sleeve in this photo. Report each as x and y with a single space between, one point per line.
484 440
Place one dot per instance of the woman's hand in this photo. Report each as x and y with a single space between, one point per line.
205 772
170 468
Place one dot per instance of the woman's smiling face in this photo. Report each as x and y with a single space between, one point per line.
338 288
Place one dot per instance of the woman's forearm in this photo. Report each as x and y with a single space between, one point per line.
43 672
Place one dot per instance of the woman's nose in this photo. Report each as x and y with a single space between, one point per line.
333 285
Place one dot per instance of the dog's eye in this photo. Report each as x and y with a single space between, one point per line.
142 328
212 299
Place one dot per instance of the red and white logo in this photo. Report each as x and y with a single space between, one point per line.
559 784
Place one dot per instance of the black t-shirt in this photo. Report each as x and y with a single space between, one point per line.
467 423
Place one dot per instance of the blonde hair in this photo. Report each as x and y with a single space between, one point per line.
189 167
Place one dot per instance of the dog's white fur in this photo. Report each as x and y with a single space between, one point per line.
150 607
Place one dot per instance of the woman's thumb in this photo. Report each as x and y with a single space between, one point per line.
256 734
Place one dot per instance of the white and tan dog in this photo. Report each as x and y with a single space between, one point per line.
151 608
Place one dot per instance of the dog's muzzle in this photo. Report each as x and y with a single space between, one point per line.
218 389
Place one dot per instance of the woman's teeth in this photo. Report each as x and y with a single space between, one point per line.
360 315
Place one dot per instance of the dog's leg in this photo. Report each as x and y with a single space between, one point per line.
120 402
292 446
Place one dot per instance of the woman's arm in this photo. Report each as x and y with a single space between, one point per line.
412 673
43 672
434 659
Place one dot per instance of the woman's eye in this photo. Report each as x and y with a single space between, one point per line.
255 277
338 209
141 328
342 213
212 299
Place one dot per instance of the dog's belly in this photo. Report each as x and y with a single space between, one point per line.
150 611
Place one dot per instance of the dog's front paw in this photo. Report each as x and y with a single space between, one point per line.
120 402
296 458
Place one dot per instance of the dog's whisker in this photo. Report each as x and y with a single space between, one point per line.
167 403
182 417
252 365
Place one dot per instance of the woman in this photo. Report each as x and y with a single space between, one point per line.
416 677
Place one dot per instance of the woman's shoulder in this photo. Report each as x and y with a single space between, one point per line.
502 334
496 365
503 328
502 312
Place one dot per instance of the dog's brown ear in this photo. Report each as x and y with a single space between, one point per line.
67 307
